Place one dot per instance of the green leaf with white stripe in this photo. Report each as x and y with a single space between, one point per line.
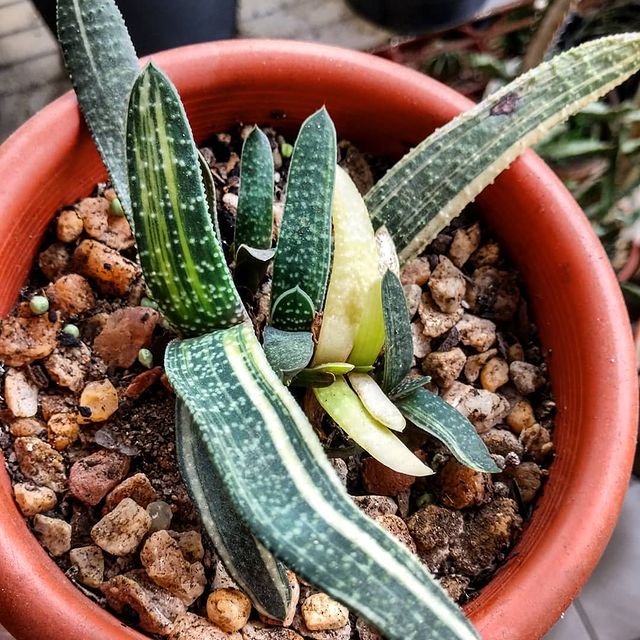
210 192
182 260
254 218
303 253
102 65
265 451
257 572
397 330
421 194
435 416
408 385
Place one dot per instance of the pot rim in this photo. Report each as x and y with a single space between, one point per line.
559 549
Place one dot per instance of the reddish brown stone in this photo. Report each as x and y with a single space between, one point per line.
23 340
383 481
124 334
137 487
142 382
71 294
91 478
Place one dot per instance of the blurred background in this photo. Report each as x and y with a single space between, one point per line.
474 46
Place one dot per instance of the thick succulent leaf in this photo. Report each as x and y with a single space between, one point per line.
254 219
265 451
103 66
435 416
420 195
293 309
387 254
353 274
182 260
209 192
347 410
408 385
303 254
369 336
337 368
251 266
398 352
376 402
288 352
257 572
313 378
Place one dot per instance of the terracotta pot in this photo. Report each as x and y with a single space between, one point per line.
383 108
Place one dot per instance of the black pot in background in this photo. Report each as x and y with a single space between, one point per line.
417 16
155 25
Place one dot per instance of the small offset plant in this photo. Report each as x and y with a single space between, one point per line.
258 475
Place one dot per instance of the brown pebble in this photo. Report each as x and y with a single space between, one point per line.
380 480
416 271
397 528
465 242
229 609
528 477
142 382
54 261
137 487
89 564
375 506
71 295
33 499
320 612
41 463
112 273
526 377
126 332
98 402
521 416
54 534
190 626
20 394
92 477
494 374
22 427
63 430
123 529
156 608
447 286
444 366
68 226
537 442
23 340
462 487
69 366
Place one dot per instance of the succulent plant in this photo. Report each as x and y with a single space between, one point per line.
258 475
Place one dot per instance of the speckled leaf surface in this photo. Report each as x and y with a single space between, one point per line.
102 65
254 218
341 402
303 253
257 572
408 385
353 273
435 416
288 352
210 192
398 353
421 194
273 467
182 260
293 309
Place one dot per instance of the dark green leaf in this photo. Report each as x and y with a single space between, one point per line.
397 332
304 245
288 352
102 65
407 386
432 414
256 571
254 219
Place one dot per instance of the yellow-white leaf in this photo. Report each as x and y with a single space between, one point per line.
354 274
376 402
343 405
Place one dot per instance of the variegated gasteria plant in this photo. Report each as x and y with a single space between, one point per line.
264 488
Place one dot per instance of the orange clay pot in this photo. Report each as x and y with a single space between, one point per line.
382 108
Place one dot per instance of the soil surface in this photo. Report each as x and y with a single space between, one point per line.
88 438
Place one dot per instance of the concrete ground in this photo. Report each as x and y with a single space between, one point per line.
31 75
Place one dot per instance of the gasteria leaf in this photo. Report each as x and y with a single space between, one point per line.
376 402
181 258
353 275
303 253
102 65
210 193
397 331
347 410
408 385
254 218
433 415
288 352
293 309
257 572
420 195
273 467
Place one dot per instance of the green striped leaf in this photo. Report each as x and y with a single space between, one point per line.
407 386
102 65
182 260
347 410
435 416
273 467
288 352
397 329
254 219
210 193
303 253
257 572
421 194
313 378
354 273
